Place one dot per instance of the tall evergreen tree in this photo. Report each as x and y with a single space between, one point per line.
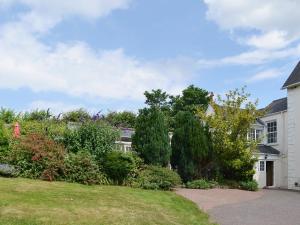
151 139
191 153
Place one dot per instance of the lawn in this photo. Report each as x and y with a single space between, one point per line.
31 202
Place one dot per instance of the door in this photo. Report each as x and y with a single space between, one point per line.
270 173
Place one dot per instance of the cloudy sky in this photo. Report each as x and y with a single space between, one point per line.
103 54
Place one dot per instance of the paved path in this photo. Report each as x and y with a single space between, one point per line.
236 207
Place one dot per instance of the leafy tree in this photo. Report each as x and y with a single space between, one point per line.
7 115
230 124
158 99
191 100
96 138
79 115
191 152
151 139
121 119
37 115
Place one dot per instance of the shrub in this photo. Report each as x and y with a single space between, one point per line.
249 185
151 139
4 143
7 170
37 156
79 115
95 138
201 184
7 115
82 168
155 177
119 166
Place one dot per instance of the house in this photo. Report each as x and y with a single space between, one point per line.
125 140
279 129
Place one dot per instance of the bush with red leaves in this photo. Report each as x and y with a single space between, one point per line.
37 156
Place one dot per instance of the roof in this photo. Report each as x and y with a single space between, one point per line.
294 78
265 149
276 106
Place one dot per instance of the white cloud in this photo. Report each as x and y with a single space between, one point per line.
75 68
276 20
265 75
44 15
253 57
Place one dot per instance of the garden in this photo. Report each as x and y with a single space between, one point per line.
177 143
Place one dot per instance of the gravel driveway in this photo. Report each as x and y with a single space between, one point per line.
236 207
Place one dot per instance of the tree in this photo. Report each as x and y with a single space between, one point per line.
230 124
97 138
79 115
157 98
191 152
151 139
7 115
191 100
37 115
121 119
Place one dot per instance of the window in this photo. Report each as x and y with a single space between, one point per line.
261 165
272 132
255 135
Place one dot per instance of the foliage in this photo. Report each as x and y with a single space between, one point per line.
7 170
230 125
157 99
37 156
121 119
151 139
249 185
156 177
37 115
191 150
79 115
192 99
4 143
7 115
97 138
53 129
82 168
201 184
119 166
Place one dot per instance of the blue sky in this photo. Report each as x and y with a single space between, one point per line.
103 54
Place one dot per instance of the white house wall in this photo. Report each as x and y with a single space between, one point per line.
294 138
281 164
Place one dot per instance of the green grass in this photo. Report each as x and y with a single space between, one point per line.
31 202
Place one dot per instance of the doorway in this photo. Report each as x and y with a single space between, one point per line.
270 173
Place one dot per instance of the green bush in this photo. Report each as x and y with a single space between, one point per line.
82 168
201 184
249 185
119 166
7 170
156 177
96 138
4 143
37 156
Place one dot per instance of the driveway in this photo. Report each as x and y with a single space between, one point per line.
237 207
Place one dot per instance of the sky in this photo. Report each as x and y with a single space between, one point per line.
104 54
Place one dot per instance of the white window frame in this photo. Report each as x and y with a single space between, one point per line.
255 134
261 166
272 131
